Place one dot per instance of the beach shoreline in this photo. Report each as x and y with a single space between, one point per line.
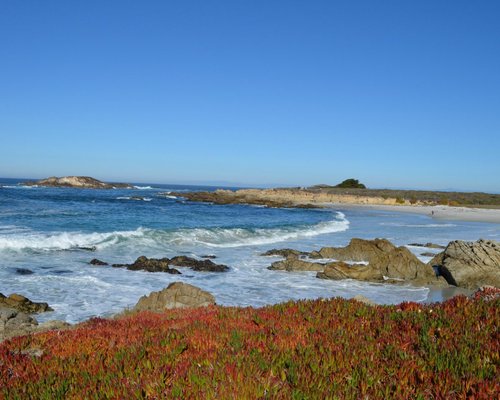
439 212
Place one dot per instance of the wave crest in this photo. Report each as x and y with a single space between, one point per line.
214 237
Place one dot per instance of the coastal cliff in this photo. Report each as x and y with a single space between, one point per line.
81 182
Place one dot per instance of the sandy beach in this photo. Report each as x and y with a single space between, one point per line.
436 212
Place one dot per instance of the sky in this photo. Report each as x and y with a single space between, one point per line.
395 93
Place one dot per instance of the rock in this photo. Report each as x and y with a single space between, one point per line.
24 271
427 254
469 264
428 245
150 265
15 323
163 264
363 299
284 253
176 295
81 182
198 265
385 261
21 303
95 261
294 264
340 270
212 256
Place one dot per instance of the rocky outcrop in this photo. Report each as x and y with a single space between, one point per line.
15 323
81 182
340 270
469 264
23 304
375 260
164 264
176 295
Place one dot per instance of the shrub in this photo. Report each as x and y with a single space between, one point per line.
351 184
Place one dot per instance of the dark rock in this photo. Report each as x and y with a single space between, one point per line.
469 264
198 265
284 253
21 303
24 271
95 261
176 295
212 256
427 254
152 265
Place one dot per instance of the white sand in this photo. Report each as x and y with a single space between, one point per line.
437 212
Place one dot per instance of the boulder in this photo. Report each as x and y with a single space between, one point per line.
95 261
21 303
176 295
340 270
469 264
295 264
16 323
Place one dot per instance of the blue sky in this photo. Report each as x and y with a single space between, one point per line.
394 93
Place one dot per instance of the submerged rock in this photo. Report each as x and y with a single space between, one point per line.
175 295
95 261
21 303
428 245
469 264
24 271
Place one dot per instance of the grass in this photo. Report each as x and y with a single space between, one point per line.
321 349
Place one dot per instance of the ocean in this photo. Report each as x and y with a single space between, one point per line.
43 233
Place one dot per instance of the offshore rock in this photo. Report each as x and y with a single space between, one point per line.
176 295
23 304
81 182
150 265
198 265
96 261
284 253
470 264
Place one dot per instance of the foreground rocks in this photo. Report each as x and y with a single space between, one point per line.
81 182
470 264
15 323
164 264
175 295
20 303
464 264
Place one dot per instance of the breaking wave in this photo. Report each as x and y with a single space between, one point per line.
214 237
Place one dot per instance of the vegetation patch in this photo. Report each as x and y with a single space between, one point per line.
307 349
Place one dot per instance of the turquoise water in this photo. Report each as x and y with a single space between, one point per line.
43 230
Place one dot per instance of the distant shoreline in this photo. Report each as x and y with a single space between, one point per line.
489 215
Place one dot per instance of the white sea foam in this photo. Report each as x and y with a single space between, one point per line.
19 186
215 237
143 187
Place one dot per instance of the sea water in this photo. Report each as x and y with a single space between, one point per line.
46 230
